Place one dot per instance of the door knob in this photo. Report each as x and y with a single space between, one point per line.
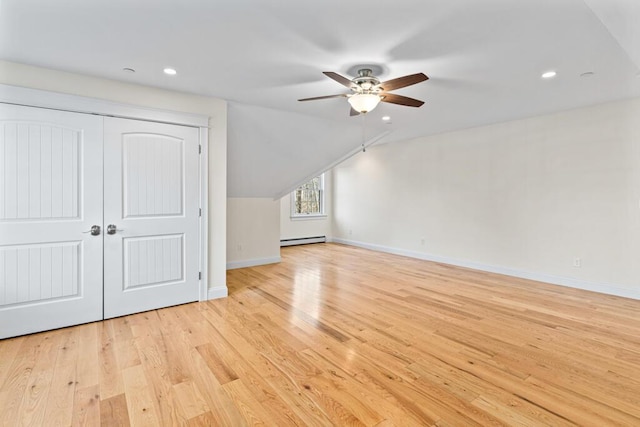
111 229
95 230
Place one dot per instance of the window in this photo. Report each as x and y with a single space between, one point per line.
308 199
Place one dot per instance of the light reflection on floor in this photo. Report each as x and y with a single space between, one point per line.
307 292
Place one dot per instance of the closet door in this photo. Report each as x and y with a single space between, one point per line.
151 217
50 198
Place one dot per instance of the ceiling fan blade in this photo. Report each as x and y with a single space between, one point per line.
323 97
403 81
353 112
337 77
401 100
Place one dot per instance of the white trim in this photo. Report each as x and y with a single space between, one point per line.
204 217
218 292
603 288
80 104
308 217
252 262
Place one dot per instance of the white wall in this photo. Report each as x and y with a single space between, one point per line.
216 109
523 198
308 227
253 232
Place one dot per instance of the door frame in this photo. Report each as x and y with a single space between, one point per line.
79 104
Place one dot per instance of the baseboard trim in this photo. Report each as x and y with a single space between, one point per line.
217 292
252 262
603 288
302 241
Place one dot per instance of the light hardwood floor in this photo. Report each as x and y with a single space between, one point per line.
336 335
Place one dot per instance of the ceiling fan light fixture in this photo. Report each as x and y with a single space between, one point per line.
364 102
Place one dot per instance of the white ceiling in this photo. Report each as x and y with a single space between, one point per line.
484 59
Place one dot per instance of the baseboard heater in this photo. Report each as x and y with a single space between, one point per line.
303 241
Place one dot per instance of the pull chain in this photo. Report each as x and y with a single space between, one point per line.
364 150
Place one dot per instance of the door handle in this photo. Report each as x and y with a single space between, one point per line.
111 229
95 230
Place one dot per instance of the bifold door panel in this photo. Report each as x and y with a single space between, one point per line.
98 217
50 265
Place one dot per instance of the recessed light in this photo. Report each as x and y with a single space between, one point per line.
549 75
170 71
386 118
128 70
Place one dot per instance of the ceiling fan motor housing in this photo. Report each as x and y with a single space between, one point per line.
366 82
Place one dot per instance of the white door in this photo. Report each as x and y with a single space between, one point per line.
50 197
151 199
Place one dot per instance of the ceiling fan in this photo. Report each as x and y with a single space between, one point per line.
368 91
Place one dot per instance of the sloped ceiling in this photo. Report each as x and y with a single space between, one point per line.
484 59
284 156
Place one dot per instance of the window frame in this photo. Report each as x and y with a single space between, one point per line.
302 216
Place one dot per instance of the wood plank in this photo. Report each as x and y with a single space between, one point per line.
86 406
220 370
206 420
59 405
88 368
10 349
34 401
27 376
110 376
223 411
139 401
114 412
190 400
251 409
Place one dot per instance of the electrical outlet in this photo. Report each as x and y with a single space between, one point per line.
239 247
350 232
422 241
577 262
